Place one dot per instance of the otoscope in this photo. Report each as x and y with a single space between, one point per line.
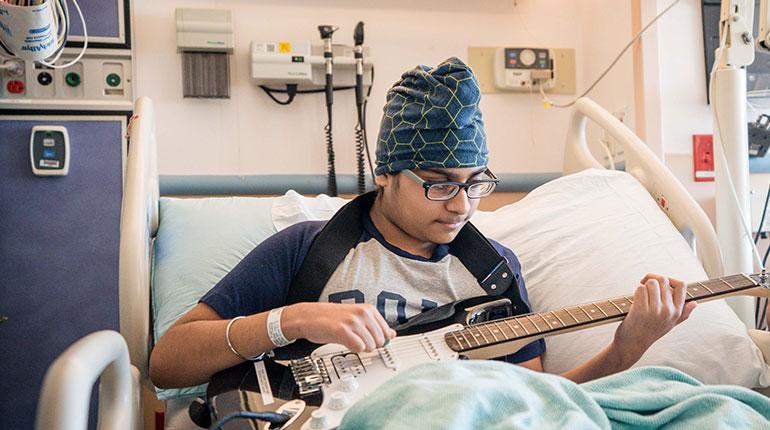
358 53
326 35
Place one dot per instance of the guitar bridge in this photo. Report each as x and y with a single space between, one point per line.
310 374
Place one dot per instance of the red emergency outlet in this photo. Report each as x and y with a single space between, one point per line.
703 157
15 87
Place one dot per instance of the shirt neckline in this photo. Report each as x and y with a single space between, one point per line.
441 251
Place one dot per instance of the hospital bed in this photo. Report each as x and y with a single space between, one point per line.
140 220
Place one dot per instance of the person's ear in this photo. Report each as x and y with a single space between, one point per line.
382 180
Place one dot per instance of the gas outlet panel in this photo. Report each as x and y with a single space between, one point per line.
101 80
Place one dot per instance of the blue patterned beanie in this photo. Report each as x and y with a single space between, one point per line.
432 120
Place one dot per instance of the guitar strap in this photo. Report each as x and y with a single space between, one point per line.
343 231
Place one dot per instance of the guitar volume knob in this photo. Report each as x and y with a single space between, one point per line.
339 401
318 420
349 383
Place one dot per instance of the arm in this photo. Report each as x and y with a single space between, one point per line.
195 347
657 309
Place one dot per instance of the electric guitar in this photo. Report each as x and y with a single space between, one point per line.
315 391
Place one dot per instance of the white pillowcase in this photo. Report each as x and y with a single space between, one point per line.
592 236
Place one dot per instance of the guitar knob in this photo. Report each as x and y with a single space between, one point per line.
318 420
339 401
349 383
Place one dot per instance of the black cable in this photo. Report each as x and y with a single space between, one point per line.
360 142
762 219
270 417
311 91
363 126
291 90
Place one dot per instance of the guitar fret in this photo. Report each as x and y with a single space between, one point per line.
751 281
728 284
616 306
457 339
490 332
499 327
521 324
557 317
570 314
707 288
462 333
546 321
584 311
602 310
529 317
511 327
482 335
687 291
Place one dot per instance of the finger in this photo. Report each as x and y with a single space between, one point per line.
679 294
388 332
687 310
352 341
640 298
653 293
666 296
374 328
362 330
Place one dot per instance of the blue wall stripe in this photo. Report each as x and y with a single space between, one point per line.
308 184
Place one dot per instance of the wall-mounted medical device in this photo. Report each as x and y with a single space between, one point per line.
49 150
301 62
205 40
523 69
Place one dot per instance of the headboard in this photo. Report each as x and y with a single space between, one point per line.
138 226
683 211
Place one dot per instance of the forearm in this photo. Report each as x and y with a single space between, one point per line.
611 359
190 353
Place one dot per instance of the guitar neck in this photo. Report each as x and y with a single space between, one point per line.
505 336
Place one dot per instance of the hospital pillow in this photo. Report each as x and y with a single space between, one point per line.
592 236
198 242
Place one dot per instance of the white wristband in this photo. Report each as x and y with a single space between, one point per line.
274 331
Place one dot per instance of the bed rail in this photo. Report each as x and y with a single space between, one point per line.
138 226
685 213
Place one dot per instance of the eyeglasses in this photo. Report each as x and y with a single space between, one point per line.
446 190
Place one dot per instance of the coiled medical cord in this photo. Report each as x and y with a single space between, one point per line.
360 142
331 179
270 417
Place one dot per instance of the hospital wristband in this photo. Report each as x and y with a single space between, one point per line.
274 331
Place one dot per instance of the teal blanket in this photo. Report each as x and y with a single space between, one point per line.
495 395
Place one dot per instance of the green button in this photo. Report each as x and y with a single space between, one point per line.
72 79
113 79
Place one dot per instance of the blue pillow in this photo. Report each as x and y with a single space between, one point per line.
198 242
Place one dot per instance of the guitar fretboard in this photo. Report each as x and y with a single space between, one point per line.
553 322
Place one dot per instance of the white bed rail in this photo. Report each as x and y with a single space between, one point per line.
683 211
138 226
66 394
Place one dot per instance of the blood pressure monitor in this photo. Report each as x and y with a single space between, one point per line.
49 150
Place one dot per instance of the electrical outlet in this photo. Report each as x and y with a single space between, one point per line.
703 157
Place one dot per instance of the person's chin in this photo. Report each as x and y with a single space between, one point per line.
446 232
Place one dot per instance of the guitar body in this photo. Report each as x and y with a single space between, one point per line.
329 378
317 390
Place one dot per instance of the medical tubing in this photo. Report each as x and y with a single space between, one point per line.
331 179
607 70
291 91
270 417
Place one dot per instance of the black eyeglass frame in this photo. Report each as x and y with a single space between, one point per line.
426 185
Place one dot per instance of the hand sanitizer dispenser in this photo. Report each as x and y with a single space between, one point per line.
49 150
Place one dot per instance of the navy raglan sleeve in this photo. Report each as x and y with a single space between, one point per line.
533 349
261 280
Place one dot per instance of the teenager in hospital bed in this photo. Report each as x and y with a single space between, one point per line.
431 172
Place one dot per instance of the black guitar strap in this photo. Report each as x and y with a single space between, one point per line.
342 232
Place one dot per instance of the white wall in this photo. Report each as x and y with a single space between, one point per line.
249 134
